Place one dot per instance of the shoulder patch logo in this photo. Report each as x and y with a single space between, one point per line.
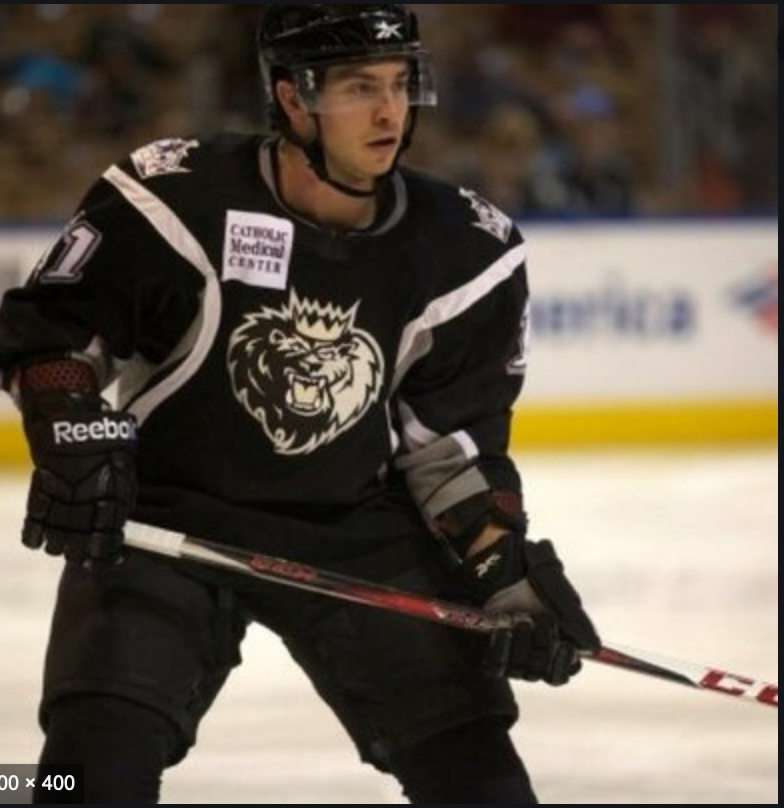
491 219
305 372
163 157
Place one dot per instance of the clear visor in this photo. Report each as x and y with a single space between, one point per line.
349 86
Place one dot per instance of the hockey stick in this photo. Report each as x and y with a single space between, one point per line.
467 618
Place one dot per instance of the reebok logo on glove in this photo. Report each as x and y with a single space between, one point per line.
69 434
486 567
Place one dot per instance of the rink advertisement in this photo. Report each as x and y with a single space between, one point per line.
640 332
652 332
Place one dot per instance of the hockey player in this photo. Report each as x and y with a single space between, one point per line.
317 354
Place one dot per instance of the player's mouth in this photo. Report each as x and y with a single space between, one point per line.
383 145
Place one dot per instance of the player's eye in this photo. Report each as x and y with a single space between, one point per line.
362 89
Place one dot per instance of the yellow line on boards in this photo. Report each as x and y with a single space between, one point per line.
646 425
578 427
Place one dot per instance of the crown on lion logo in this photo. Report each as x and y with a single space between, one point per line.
320 323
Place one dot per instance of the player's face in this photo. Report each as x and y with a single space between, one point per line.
364 111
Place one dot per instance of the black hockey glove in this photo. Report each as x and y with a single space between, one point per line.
516 576
84 484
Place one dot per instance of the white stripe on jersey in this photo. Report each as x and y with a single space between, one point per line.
182 241
418 436
467 444
451 306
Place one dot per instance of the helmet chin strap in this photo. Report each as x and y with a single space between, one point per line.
314 151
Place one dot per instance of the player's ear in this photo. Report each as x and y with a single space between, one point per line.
290 101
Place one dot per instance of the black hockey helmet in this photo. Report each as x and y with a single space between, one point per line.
299 42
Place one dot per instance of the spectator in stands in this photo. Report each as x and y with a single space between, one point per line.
124 64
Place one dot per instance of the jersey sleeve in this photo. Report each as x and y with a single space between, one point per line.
455 404
108 290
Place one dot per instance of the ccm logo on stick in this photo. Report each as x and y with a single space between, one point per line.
738 686
68 434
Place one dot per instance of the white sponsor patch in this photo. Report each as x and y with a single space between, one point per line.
163 157
257 250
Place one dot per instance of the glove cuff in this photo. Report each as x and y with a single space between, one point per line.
460 526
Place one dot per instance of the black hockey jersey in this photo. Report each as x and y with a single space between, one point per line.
276 367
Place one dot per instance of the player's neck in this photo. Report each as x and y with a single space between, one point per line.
305 193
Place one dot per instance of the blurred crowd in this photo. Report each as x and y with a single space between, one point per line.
550 110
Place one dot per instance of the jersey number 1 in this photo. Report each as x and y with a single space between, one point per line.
69 256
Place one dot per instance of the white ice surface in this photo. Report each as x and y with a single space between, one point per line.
676 553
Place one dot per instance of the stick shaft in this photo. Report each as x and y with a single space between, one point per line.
467 618
312 579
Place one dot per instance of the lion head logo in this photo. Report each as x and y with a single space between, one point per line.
305 373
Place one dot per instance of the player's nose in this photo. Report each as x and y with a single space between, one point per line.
390 106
